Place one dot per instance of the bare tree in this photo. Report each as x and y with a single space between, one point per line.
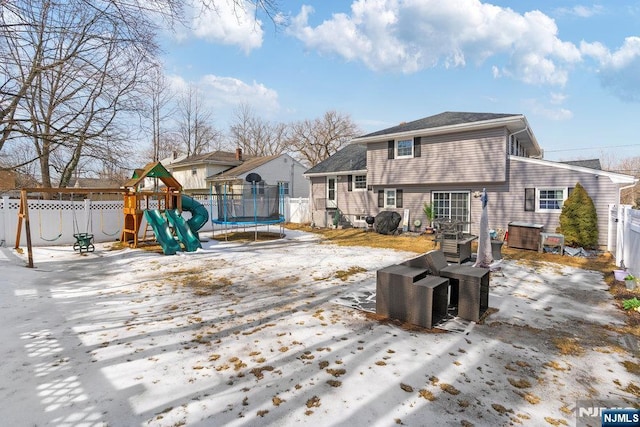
40 40
158 109
255 136
315 140
79 70
195 123
169 146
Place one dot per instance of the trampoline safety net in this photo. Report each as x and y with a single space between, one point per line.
259 204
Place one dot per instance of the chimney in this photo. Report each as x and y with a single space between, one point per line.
175 155
239 154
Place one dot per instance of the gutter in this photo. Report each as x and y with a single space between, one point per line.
353 172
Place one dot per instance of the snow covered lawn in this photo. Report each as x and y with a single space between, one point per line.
248 334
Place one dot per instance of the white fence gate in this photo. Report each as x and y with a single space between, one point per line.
627 248
297 210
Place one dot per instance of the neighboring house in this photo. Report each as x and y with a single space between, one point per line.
192 172
447 160
279 169
199 174
95 183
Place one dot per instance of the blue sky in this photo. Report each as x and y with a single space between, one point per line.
572 68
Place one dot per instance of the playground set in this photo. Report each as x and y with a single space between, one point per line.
170 228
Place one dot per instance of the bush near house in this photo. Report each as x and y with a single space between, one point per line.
579 220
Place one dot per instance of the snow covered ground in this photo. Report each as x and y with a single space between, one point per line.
249 334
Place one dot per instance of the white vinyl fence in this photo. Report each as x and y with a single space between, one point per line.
54 222
627 232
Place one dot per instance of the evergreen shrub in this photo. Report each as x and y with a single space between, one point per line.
579 220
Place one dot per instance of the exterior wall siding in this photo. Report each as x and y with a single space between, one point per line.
525 174
350 203
478 156
284 168
467 162
197 182
506 200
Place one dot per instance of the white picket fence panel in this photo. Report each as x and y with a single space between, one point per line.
54 222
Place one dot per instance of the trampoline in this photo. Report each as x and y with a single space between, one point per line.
257 204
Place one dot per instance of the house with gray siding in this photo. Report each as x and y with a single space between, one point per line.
447 160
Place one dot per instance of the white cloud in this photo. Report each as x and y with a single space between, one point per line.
229 91
618 70
225 94
413 35
551 113
557 98
229 24
580 11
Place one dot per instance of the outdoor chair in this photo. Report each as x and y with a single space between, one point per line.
469 285
408 293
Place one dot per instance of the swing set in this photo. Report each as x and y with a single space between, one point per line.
136 202
84 238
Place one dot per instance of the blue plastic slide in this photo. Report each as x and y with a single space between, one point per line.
187 237
162 231
199 214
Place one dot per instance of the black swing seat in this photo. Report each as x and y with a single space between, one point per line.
84 242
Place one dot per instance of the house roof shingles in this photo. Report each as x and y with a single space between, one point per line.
349 158
225 157
448 118
591 163
247 166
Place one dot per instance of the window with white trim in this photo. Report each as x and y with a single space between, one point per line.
545 199
284 185
454 206
390 198
404 148
550 199
360 182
